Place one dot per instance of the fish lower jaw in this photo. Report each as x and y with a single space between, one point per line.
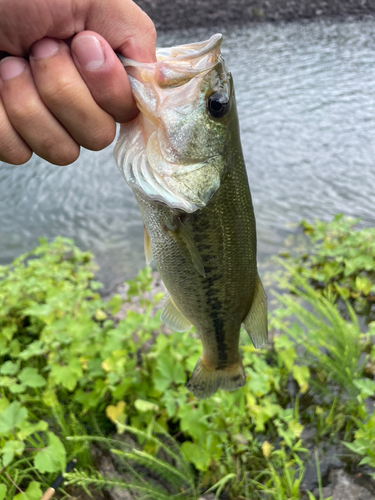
207 379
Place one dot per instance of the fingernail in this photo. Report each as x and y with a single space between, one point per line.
44 48
10 67
88 51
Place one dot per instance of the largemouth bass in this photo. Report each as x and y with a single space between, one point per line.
182 157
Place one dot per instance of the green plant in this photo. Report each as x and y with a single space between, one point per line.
175 475
69 367
364 441
340 261
284 474
331 343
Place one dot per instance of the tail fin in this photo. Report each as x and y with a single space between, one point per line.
205 381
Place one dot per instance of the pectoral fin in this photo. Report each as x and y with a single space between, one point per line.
147 244
255 322
191 246
173 317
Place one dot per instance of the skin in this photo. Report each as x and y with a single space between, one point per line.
61 84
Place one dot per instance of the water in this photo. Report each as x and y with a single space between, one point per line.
306 102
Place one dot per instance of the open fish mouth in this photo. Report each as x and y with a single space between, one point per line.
171 152
175 65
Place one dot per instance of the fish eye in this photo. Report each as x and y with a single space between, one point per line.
217 105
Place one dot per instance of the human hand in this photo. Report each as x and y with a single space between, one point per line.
73 89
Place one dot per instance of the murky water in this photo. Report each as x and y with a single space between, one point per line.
306 101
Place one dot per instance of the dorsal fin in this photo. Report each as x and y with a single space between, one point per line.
147 244
173 317
255 322
191 246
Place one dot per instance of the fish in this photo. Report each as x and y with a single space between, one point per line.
183 159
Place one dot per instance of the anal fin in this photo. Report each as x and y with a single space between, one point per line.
173 317
147 244
255 322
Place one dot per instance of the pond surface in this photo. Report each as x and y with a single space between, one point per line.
306 102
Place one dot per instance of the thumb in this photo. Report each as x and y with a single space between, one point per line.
124 25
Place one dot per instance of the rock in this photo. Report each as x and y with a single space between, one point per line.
327 492
346 489
107 468
328 461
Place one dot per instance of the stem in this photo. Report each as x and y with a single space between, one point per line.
318 474
14 484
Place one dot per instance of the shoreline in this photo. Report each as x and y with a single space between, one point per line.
183 14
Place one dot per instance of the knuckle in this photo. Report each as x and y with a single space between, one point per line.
12 148
103 138
150 30
53 93
21 110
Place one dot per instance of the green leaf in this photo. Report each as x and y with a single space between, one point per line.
258 383
67 376
34 349
115 303
301 375
193 420
11 417
196 455
4 403
7 381
144 406
100 315
33 492
365 386
167 372
283 342
9 368
26 428
221 483
31 378
3 491
363 284
53 457
287 356
17 388
358 446
10 449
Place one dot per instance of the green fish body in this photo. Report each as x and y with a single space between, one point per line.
183 159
